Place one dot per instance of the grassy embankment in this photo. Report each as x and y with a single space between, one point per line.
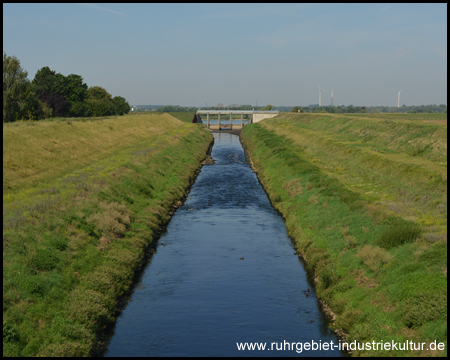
365 199
82 201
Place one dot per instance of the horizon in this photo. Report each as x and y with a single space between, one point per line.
239 53
314 105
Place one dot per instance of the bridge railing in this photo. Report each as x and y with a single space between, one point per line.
223 124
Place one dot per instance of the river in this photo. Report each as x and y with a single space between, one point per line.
223 273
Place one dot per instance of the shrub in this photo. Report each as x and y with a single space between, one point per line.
398 235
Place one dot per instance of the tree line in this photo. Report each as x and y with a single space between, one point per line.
176 108
372 109
52 94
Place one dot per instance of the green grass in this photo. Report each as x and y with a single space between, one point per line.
74 237
368 217
183 116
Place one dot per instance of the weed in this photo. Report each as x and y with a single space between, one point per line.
419 149
113 218
374 257
398 235
143 152
70 348
9 333
422 308
51 190
44 260
313 199
350 241
293 187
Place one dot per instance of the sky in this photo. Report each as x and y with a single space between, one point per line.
278 54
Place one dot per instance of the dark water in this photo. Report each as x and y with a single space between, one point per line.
197 298
225 121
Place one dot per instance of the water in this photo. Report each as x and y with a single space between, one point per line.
198 298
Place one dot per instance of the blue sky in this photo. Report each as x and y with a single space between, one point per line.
186 54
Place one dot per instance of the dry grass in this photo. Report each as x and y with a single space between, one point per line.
112 219
374 257
293 187
53 148
366 153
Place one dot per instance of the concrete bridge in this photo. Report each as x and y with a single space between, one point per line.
225 124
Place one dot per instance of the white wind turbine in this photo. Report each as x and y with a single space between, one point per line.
398 101
320 94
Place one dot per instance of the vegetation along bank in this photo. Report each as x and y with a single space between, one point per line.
83 200
365 200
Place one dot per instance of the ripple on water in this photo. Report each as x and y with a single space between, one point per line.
227 274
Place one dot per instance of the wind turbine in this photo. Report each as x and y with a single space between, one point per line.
320 94
398 102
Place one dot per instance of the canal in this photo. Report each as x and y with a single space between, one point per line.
224 273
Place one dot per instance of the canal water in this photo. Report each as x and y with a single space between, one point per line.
224 273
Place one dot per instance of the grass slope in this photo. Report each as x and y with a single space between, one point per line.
366 202
77 224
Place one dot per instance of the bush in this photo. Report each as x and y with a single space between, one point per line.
398 235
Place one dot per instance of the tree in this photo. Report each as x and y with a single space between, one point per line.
52 90
76 92
97 92
15 85
295 109
121 105
99 102
57 102
47 81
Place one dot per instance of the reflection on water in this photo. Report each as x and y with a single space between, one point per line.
198 297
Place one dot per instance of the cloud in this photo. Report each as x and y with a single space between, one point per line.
385 8
93 6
